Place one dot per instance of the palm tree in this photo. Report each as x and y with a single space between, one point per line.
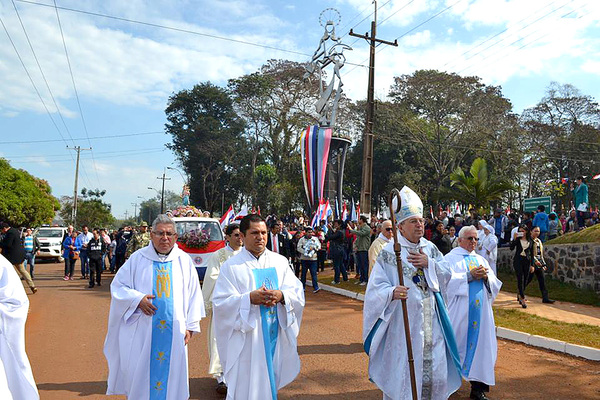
478 188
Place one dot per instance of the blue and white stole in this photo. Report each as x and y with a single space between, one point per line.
162 329
475 301
269 321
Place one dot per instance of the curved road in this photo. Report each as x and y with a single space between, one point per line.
67 325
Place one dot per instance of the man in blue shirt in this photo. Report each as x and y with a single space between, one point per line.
541 219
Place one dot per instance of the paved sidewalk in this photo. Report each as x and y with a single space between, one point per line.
559 311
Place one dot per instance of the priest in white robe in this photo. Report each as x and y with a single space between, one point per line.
156 305
16 378
472 288
257 309
489 245
434 349
213 269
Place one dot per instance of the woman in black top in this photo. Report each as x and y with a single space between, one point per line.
439 239
522 260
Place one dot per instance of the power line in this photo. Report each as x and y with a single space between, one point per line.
41 70
129 151
97 158
75 89
88 138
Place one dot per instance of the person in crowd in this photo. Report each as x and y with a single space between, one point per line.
72 247
350 255
499 222
489 245
96 249
111 252
156 306
257 309
294 254
538 266
451 237
541 221
437 372
458 223
581 201
84 238
322 252
16 374
439 239
335 238
120 249
511 228
471 291
31 244
276 241
233 237
139 240
384 238
526 220
12 249
363 242
572 223
107 241
554 228
66 234
308 246
522 260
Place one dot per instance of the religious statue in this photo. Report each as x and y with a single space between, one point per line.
329 52
185 195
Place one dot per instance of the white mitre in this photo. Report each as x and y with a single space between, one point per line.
410 205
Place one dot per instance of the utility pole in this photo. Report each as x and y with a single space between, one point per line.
162 193
367 170
135 211
126 213
78 149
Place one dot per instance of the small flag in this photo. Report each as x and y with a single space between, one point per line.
353 214
431 211
596 176
227 218
243 212
344 212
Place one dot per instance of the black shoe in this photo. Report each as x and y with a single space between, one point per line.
548 301
99 284
221 388
478 396
90 286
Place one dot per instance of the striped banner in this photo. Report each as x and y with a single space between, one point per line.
315 144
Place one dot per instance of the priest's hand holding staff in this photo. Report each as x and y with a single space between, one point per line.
400 292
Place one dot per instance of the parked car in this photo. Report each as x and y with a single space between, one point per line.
199 237
50 238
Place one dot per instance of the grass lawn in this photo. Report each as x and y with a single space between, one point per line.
326 277
557 290
587 235
582 334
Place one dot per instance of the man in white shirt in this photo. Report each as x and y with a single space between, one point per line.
85 236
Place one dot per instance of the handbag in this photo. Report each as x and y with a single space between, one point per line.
75 255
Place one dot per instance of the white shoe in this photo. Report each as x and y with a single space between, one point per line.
363 283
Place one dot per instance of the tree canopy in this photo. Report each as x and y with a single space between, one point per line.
24 199
91 209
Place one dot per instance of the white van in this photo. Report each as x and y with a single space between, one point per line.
50 238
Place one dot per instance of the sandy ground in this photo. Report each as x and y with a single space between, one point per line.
67 325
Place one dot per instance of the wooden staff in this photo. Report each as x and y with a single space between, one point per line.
395 193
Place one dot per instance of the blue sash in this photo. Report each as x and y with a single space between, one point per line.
162 330
475 300
269 321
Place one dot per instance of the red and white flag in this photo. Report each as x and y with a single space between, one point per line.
596 176
243 212
227 218
344 212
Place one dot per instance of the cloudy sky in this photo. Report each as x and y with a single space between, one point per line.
125 58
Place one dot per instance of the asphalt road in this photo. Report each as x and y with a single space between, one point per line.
67 325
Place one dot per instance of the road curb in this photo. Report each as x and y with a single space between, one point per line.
586 352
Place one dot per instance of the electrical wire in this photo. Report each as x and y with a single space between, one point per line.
88 138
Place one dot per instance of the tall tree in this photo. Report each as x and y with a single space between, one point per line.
91 209
208 140
24 199
448 116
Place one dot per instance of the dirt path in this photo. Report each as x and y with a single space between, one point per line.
67 326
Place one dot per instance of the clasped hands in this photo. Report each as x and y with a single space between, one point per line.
479 273
265 297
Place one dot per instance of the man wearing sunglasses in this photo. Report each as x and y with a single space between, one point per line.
471 290
384 238
156 305
234 245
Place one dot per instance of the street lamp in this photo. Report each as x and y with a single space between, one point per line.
185 180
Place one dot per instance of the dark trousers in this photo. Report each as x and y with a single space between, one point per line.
521 266
580 219
362 259
69 266
479 387
297 266
339 267
120 261
85 263
312 266
95 269
321 256
29 260
539 274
